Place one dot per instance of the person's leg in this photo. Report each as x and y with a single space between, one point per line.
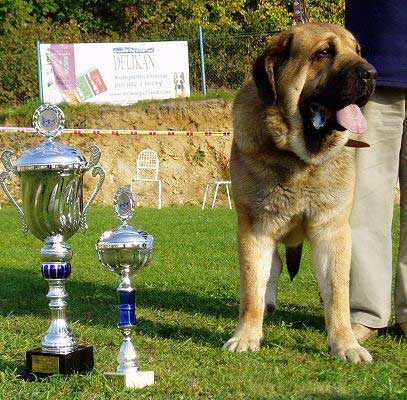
401 277
371 219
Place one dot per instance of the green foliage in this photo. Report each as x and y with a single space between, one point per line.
18 63
225 22
162 17
12 11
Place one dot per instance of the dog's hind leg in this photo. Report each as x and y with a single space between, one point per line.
293 257
272 285
256 249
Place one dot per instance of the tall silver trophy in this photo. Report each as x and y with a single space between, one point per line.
125 250
51 180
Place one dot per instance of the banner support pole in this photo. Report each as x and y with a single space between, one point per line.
201 50
39 73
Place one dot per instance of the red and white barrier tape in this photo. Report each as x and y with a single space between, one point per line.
127 132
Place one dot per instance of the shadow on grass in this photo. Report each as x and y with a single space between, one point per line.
182 333
13 366
302 317
22 292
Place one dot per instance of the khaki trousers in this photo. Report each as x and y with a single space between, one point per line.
377 170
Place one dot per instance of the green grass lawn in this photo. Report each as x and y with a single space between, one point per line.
187 308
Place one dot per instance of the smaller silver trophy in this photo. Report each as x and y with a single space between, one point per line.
125 250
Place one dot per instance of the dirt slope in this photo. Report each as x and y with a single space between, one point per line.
186 164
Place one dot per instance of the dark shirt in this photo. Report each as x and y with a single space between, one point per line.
380 26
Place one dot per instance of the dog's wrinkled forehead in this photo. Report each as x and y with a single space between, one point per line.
310 37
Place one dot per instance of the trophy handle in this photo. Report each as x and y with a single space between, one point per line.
96 171
6 175
94 155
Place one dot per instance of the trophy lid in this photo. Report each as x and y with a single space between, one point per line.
51 155
49 120
125 236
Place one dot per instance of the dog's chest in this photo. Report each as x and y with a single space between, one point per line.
306 193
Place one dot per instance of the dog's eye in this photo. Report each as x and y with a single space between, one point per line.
323 54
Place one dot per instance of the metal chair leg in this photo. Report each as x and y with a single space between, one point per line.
227 191
159 194
215 195
205 194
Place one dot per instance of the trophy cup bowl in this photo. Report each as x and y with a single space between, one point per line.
51 181
52 197
126 250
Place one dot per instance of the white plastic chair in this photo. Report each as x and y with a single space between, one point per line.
147 164
216 184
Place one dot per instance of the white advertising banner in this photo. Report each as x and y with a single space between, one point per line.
114 73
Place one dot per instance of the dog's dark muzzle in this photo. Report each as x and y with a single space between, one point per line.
366 76
353 84
366 72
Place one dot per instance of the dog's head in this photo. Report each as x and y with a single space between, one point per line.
315 75
179 83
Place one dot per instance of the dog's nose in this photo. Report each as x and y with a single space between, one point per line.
367 71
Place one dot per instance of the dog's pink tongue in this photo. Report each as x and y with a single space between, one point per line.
352 119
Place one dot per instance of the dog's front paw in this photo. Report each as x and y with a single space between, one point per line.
354 354
239 343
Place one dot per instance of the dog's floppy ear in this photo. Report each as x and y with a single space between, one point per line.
265 68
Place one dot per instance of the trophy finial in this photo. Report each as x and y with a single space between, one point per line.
124 204
48 120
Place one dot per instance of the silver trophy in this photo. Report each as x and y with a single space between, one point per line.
51 180
125 250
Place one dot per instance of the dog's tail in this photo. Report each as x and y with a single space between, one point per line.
293 259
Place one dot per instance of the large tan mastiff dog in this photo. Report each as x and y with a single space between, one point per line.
293 175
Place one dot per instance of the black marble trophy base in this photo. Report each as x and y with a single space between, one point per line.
42 364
